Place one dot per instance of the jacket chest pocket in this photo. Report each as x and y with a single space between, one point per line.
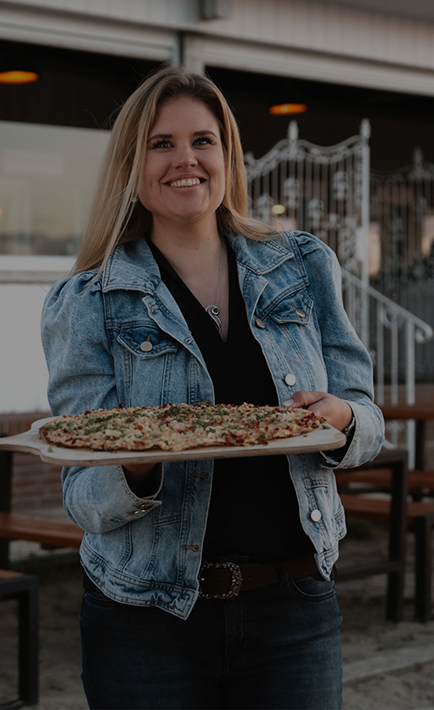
147 359
297 340
293 308
146 342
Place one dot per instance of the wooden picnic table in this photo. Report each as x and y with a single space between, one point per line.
420 412
49 533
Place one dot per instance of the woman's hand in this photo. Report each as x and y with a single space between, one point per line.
337 412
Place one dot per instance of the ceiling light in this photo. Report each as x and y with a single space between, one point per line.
18 77
285 109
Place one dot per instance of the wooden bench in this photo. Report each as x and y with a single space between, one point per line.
49 533
380 479
420 518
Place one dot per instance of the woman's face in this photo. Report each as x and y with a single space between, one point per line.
183 177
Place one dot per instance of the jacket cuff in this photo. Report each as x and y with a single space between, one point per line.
143 504
366 441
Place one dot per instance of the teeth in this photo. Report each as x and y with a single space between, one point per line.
185 183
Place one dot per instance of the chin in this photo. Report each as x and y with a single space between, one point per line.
191 215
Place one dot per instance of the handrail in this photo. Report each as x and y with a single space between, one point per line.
426 332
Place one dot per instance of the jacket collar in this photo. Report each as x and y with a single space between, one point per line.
131 266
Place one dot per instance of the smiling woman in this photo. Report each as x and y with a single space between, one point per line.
183 177
116 214
178 297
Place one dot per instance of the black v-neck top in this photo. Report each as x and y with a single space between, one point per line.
253 511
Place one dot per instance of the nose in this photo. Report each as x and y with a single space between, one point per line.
185 157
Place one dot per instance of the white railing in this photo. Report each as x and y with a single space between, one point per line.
390 334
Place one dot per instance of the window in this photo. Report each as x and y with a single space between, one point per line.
47 180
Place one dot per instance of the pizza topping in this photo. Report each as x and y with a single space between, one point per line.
178 427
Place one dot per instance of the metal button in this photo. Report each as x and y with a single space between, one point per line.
146 346
260 323
300 313
290 379
315 516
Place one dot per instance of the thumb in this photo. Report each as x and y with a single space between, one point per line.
303 399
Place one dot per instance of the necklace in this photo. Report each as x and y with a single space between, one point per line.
213 310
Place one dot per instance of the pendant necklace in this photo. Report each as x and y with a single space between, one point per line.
213 310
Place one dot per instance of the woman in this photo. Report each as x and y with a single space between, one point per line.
178 297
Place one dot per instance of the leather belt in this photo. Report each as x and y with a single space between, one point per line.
223 580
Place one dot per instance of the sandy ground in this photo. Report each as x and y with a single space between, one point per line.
365 635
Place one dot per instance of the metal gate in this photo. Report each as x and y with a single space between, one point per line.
402 228
326 191
402 216
323 190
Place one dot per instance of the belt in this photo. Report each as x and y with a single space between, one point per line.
223 580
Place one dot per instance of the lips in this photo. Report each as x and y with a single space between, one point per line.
185 182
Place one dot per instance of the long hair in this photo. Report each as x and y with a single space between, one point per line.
116 214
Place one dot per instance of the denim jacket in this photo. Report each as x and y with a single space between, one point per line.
147 551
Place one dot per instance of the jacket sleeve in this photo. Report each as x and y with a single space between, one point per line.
348 364
81 376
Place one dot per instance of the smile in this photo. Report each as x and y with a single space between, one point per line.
189 182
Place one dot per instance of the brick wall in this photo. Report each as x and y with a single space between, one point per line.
35 484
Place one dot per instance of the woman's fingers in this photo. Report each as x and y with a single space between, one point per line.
337 412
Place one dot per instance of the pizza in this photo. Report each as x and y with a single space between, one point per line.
178 427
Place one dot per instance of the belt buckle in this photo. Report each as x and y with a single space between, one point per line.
236 580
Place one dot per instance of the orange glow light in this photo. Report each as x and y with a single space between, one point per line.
18 77
285 109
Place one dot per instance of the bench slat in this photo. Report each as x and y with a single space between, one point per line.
8 574
383 477
49 532
378 509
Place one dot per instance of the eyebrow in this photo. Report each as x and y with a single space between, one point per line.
170 135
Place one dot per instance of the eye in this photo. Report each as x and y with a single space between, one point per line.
203 140
163 143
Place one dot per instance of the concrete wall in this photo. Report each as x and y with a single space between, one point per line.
23 373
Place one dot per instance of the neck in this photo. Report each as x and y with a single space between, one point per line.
188 247
199 257
189 233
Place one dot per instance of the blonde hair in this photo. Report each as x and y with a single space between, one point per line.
116 215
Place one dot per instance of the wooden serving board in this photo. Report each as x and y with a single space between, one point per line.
320 439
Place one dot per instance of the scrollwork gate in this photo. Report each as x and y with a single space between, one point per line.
323 190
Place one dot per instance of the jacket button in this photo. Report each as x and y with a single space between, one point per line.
299 312
290 379
260 323
315 516
146 346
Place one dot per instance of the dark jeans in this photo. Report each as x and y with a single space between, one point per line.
276 647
